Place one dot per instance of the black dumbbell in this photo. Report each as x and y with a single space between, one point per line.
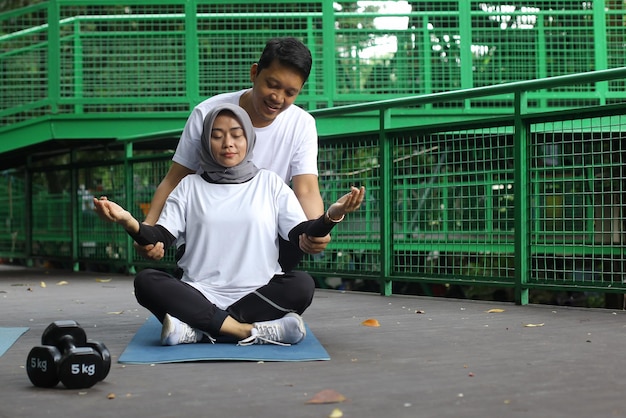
101 349
67 356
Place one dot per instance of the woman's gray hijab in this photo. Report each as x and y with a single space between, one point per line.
216 173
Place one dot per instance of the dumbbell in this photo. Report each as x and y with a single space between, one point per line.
67 356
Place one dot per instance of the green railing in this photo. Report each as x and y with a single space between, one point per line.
69 67
532 200
495 163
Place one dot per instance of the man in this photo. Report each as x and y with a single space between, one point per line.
287 138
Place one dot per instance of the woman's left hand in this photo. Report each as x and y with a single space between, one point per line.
347 203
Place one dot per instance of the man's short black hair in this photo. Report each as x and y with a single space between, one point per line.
289 52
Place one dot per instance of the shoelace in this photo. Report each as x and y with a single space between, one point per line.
189 335
266 334
208 337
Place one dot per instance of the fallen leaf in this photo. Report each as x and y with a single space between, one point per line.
103 280
42 284
371 323
111 396
534 325
115 313
495 310
327 396
337 413
62 283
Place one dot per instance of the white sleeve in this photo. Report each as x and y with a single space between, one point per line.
173 216
290 212
304 160
188 149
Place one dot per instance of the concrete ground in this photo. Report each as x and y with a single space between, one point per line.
430 357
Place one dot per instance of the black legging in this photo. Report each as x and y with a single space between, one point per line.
162 293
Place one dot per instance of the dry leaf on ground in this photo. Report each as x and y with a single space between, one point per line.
336 413
327 396
495 310
371 322
534 325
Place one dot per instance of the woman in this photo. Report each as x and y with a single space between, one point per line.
230 217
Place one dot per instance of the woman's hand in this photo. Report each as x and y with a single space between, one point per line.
112 212
347 203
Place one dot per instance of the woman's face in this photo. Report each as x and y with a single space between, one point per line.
228 140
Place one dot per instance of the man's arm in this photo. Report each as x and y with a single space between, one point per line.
307 190
174 175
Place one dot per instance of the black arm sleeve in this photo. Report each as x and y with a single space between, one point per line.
315 228
152 234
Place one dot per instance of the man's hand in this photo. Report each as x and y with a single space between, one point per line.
313 245
151 252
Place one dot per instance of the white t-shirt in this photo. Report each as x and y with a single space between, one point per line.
231 232
288 146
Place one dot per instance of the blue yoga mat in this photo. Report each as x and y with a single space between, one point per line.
145 348
8 336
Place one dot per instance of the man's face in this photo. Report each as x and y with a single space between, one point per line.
273 90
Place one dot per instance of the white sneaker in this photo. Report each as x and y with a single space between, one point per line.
284 331
176 332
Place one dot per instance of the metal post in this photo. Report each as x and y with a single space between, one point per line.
386 219
54 55
522 222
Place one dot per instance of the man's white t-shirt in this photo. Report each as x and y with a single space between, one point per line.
288 146
231 232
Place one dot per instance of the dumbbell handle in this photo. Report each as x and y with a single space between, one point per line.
66 343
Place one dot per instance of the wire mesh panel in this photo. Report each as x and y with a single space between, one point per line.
135 52
52 214
23 66
12 214
385 48
569 37
100 241
355 245
165 57
505 42
579 196
453 201
616 37
231 37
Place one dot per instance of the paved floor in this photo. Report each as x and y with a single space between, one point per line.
430 357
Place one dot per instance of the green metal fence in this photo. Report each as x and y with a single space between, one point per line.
534 200
97 59
529 201
475 177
